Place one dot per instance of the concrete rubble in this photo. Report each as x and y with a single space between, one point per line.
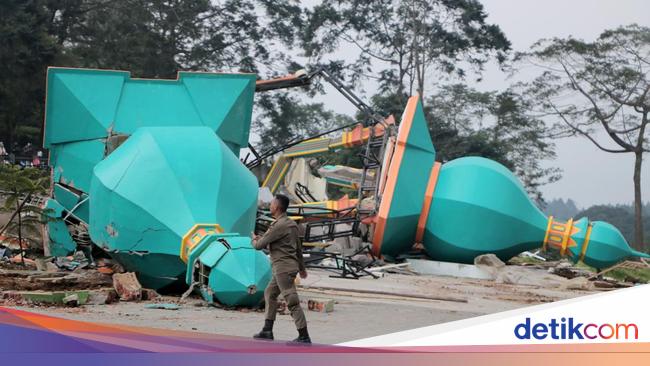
420 288
127 286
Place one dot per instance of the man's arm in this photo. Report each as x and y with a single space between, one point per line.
273 233
301 260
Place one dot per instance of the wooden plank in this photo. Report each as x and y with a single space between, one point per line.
386 293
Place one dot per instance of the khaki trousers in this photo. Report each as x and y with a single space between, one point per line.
283 283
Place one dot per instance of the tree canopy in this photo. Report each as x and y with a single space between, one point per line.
150 38
402 43
494 125
404 46
598 90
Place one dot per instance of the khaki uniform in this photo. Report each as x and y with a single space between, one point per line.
283 242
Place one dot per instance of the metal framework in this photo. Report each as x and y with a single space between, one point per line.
345 266
322 224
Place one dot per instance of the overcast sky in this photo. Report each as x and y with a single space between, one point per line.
590 176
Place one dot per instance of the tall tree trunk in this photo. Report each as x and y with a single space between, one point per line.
638 203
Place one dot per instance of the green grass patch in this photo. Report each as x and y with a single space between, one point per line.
640 275
523 259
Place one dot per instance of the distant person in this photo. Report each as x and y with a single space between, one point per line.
283 242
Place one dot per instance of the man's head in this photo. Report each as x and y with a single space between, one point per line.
279 205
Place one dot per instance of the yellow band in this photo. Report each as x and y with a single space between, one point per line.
567 234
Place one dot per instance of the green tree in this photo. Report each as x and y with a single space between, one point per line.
403 43
151 38
157 38
26 49
494 125
599 90
561 209
284 119
19 186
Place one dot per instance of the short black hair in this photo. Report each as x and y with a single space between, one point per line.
283 202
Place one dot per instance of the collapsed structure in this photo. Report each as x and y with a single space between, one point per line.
149 171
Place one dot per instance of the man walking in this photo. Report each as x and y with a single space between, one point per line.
283 242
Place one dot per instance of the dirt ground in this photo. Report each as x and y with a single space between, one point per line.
356 314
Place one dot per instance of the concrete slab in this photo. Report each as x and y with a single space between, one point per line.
437 268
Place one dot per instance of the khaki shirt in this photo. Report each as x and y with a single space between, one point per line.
283 242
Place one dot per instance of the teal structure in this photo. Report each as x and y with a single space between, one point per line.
143 163
472 206
150 169
490 212
480 204
401 202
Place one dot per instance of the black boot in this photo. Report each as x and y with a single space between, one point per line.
303 338
266 332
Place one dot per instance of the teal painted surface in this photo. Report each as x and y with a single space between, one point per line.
73 162
65 197
406 203
227 108
83 209
607 246
239 274
81 103
236 273
178 167
211 257
60 242
162 181
155 270
480 207
212 253
90 104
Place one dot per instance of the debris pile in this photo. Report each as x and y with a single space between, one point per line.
66 281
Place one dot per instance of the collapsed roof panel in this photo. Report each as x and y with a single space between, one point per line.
88 104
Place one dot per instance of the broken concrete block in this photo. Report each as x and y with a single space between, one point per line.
489 260
127 286
71 300
437 268
101 297
603 284
577 283
321 305
40 264
149 294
